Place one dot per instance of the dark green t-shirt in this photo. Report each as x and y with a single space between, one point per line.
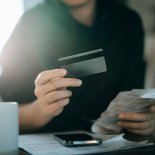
49 32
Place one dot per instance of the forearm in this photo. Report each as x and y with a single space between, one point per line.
31 117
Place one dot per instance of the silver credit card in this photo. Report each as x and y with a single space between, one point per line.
84 64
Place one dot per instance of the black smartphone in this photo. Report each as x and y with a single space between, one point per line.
77 139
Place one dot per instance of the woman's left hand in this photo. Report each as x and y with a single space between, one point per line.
139 123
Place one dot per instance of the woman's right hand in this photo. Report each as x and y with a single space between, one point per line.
51 91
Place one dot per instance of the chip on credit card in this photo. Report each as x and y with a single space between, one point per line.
84 64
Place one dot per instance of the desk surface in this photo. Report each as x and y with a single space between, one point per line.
150 150
147 150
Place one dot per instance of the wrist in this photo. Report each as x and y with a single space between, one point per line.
41 119
31 117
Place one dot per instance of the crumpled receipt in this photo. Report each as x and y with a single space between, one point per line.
136 100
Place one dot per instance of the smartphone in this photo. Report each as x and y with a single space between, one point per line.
77 139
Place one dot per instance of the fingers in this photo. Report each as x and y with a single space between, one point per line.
51 90
135 125
135 116
45 76
139 123
56 84
54 96
55 108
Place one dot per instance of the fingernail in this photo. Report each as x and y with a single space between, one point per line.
63 71
79 82
70 93
121 115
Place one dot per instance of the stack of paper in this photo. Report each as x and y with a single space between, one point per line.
137 100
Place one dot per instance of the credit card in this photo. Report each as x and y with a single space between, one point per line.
84 64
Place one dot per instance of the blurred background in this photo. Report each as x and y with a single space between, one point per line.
10 12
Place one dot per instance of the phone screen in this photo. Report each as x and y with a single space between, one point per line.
77 139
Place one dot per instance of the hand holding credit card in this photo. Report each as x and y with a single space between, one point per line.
84 64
